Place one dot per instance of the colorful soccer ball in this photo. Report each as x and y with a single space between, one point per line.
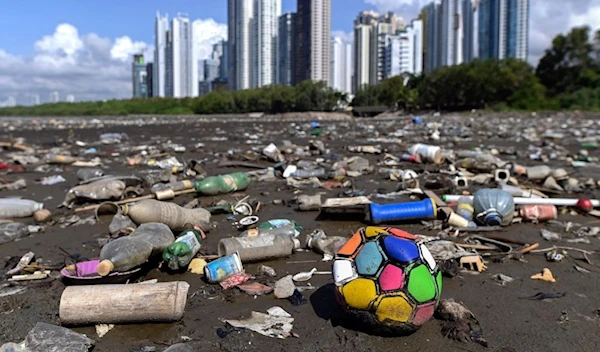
389 277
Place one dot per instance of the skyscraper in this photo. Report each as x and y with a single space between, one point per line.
35 99
182 58
264 46
70 98
468 23
149 80
432 31
54 97
239 21
159 72
138 77
312 41
404 51
503 29
285 50
452 33
341 65
370 31
11 102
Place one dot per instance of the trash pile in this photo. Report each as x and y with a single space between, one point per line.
423 199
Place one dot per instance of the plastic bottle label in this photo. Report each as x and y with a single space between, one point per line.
230 182
257 242
190 239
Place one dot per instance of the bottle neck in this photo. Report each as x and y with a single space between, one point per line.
493 219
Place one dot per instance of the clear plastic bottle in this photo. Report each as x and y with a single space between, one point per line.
11 231
170 214
128 252
252 249
280 227
465 208
99 190
320 172
123 254
18 208
493 207
328 246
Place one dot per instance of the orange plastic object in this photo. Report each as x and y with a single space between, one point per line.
402 234
351 246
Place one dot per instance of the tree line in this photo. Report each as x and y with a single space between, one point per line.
567 77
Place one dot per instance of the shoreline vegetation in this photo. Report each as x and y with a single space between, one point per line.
566 78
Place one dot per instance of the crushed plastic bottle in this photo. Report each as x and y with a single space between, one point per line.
493 207
11 231
171 214
180 253
319 242
107 189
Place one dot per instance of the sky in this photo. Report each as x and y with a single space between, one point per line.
84 47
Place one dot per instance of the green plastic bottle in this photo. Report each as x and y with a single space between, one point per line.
215 185
181 252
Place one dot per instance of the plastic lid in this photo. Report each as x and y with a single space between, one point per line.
297 243
493 219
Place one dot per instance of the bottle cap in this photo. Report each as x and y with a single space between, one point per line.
105 267
492 219
297 243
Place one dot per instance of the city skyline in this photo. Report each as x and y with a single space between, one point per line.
66 39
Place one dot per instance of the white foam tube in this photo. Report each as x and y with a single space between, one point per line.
568 202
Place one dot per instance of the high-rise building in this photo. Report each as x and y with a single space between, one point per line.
224 63
432 31
70 98
341 65
54 97
285 50
404 51
10 102
264 46
452 33
503 29
35 99
312 41
182 60
370 31
211 70
149 80
138 77
239 21
159 73
469 23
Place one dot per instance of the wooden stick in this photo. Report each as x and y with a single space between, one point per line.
528 249
132 200
476 246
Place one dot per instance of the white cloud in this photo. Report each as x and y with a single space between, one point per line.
86 65
347 37
548 18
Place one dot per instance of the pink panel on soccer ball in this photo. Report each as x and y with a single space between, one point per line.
423 314
391 278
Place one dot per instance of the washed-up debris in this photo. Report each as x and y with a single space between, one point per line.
461 324
103 329
305 276
545 275
50 338
13 186
266 270
502 279
542 296
52 180
277 323
255 288
550 236
284 287
7 289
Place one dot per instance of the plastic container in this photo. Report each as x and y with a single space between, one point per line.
465 208
100 190
493 207
170 214
222 268
254 249
215 185
308 203
88 174
420 210
11 231
181 252
518 191
320 173
321 243
18 208
281 227
59 159
539 172
134 250
426 152
539 212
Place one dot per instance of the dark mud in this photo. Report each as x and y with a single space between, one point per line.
570 323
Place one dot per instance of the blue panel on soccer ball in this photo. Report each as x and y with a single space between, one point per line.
369 259
401 250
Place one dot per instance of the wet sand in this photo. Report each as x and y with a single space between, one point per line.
570 323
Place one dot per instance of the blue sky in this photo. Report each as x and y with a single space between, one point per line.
84 47
114 18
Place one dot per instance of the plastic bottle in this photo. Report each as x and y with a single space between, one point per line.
128 252
181 252
493 207
328 246
18 208
170 214
215 185
11 231
98 190
87 174
174 186
465 208
320 172
279 227
252 249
